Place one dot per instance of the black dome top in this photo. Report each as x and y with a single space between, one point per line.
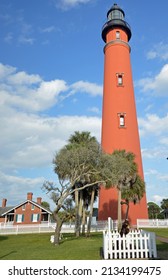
115 19
115 7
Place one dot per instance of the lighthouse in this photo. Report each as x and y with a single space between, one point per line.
119 118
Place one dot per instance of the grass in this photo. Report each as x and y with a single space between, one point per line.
162 248
163 232
38 247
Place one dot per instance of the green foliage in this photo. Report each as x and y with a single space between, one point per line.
164 203
135 191
80 138
81 167
45 204
78 167
78 164
153 210
123 168
124 176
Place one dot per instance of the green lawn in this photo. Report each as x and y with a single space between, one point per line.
38 247
162 248
159 231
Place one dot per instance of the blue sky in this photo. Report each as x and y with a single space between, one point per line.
51 79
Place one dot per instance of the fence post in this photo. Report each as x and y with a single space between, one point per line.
109 224
105 245
137 223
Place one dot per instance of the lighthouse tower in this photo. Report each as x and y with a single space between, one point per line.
119 118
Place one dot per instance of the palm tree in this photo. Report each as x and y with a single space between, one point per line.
133 193
82 198
93 192
81 138
164 203
124 175
153 210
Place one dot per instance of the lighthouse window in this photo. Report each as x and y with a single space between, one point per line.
120 80
122 120
117 34
116 14
121 117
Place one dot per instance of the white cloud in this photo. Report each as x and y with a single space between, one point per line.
149 107
20 78
164 141
94 110
87 87
16 181
66 4
29 92
158 175
158 84
158 152
48 29
30 141
17 187
157 199
26 32
22 32
151 172
151 54
153 125
6 70
26 40
159 50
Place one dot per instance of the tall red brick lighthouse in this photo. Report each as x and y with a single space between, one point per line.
119 118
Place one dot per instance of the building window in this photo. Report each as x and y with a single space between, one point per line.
120 80
35 218
117 34
121 119
20 218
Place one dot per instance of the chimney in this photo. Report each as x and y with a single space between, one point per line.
39 199
4 200
29 196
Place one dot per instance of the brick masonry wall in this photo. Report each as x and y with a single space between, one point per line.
27 212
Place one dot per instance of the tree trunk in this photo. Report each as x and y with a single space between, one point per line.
57 234
127 211
119 210
91 212
77 212
83 220
79 217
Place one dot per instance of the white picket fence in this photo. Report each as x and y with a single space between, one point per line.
152 223
8 228
137 244
20 229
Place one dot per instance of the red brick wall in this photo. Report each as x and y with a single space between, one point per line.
2 220
27 212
